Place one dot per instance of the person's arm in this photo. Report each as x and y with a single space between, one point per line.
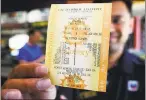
23 57
22 61
39 60
42 56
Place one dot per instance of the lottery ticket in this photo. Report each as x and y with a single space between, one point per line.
78 44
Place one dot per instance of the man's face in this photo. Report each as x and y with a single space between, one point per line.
36 36
121 26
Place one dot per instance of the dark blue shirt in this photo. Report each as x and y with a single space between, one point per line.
29 52
126 81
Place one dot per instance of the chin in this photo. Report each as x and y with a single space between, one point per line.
114 47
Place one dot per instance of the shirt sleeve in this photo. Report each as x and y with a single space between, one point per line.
22 55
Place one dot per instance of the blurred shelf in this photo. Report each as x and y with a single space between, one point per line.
14 31
13 25
5 70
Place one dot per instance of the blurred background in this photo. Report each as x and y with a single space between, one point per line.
18 15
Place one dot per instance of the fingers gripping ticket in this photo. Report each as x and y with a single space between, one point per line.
28 85
29 70
39 88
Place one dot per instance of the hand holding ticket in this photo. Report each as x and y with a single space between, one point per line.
77 45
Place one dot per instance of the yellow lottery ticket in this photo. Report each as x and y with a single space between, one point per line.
77 45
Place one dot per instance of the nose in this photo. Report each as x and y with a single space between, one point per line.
112 29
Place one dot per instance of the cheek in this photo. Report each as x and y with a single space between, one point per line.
125 31
37 38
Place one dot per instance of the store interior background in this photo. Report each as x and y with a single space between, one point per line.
18 15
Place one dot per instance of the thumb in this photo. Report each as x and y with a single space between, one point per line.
50 93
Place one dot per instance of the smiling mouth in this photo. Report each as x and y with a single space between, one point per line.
113 35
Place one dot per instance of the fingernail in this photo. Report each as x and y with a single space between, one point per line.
43 84
41 70
13 95
62 97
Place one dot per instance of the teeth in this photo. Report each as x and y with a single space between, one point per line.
113 35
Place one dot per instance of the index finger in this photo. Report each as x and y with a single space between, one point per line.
28 85
30 70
